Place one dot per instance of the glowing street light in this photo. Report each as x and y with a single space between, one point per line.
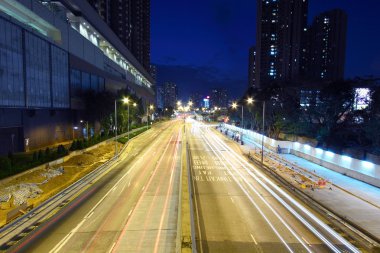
126 101
249 100
151 107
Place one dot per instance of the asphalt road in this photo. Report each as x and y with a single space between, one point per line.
133 208
236 210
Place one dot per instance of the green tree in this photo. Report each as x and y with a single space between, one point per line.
5 164
47 152
35 156
372 125
41 157
329 111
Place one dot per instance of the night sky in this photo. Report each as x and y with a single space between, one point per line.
201 44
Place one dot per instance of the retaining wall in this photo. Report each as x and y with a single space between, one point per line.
359 169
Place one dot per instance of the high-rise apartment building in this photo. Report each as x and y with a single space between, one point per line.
219 97
327 46
197 99
160 95
170 94
130 21
252 67
281 25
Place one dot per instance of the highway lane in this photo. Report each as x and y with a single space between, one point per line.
133 208
236 213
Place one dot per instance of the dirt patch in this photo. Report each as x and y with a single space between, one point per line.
35 187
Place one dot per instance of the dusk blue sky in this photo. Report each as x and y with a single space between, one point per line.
201 44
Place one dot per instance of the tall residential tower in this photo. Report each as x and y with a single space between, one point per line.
281 26
252 67
130 21
327 45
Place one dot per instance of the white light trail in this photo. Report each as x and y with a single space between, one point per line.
215 150
245 164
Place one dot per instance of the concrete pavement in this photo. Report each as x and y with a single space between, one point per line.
234 213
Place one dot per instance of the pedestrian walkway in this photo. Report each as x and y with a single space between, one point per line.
363 190
350 199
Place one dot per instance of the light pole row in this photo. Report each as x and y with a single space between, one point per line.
250 101
125 101
181 107
151 107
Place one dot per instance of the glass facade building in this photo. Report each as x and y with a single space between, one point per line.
51 52
33 72
12 89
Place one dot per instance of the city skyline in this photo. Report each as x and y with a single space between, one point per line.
207 62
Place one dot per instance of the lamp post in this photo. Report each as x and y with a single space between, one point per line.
147 115
250 101
235 105
126 101
82 121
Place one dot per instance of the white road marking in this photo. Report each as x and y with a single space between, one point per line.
253 238
306 241
88 216
258 176
113 245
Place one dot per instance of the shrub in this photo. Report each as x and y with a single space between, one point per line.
47 152
61 150
79 144
74 145
35 156
5 164
40 156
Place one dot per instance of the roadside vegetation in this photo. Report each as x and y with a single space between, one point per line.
333 117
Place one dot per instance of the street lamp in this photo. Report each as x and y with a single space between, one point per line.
126 101
74 129
82 121
250 101
147 115
235 106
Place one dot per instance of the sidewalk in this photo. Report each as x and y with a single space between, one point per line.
349 198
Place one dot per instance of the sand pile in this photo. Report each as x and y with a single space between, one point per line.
38 185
